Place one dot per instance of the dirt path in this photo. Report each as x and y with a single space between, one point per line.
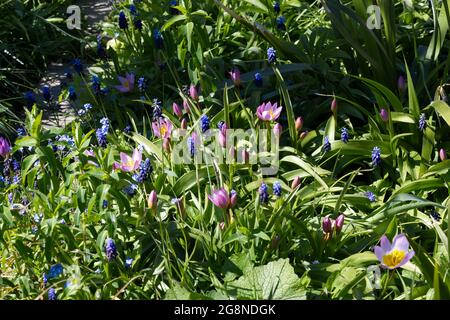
92 13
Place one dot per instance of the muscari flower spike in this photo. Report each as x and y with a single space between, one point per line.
326 145
51 294
376 156
271 55
263 193
371 196
344 135
281 20
422 122
204 123
110 248
277 189
123 23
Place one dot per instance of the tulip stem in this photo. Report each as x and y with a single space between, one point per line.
391 273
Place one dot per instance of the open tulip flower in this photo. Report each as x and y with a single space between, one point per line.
268 111
222 199
126 83
162 128
393 255
132 163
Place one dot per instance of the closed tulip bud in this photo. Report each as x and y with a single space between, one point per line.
222 226
327 225
245 156
299 123
277 130
184 124
222 139
303 135
232 152
177 110
186 106
236 77
384 115
442 154
193 92
152 200
295 183
5 147
334 106
166 144
339 223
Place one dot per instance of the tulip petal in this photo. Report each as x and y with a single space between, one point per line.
379 252
385 243
407 257
400 242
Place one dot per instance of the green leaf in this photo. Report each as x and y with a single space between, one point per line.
274 281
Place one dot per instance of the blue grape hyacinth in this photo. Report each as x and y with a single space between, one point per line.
370 196
51 294
271 55
123 23
422 122
110 248
204 123
344 135
277 189
376 156
263 193
326 145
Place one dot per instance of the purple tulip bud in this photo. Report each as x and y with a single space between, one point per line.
327 225
193 92
235 75
223 135
299 123
5 147
184 124
442 154
245 156
295 182
177 110
152 200
334 106
384 115
277 130
339 222
220 198
186 106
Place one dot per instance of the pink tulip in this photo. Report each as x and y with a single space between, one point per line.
245 156
442 154
126 83
295 182
299 123
183 124
327 225
132 163
221 198
193 92
186 106
235 75
277 130
152 200
223 135
334 105
384 115
177 110
339 222
162 128
268 111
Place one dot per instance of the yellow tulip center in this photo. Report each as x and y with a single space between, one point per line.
126 84
393 258
163 130
271 113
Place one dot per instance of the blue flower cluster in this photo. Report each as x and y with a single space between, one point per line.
263 193
145 170
326 145
102 132
204 123
111 250
277 189
344 135
376 156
